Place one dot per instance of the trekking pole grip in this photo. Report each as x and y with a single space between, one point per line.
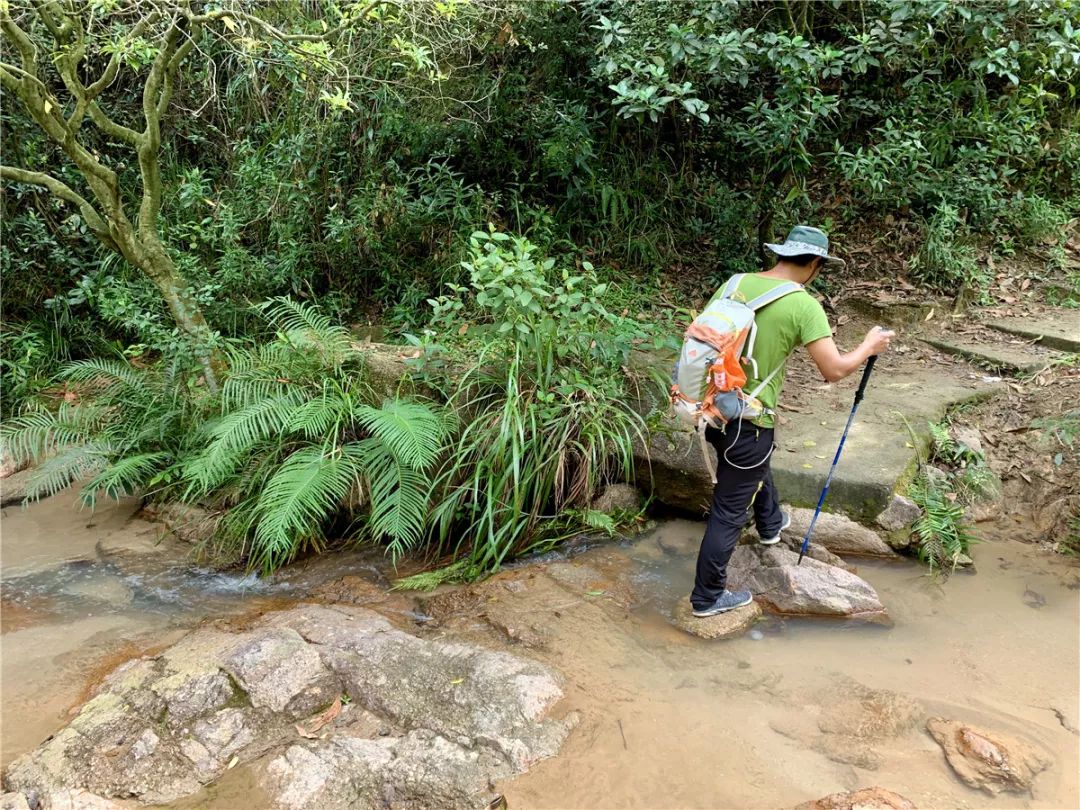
865 377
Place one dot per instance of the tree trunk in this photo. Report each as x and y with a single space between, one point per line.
159 266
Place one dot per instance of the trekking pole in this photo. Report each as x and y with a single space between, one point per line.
851 418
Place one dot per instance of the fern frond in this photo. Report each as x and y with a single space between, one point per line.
413 432
64 469
248 426
398 494
104 370
305 326
306 490
125 476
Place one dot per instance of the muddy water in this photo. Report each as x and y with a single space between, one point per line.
81 591
667 720
670 721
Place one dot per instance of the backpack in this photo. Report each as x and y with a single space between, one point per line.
707 383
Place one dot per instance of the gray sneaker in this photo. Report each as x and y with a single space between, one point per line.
785 521
729 600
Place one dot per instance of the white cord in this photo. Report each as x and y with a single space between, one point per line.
738 433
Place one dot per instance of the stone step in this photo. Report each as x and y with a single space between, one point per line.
998 358
1057 330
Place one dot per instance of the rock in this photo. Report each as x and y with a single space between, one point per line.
859 711
899 515
77 800
13 488
8 465
871 798
771 573
104 588
351 590
968 438
935 475
724 625
420 769
186 522
13 801
837 533
989 761
618 498
431 722
280 671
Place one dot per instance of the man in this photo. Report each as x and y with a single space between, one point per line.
744 448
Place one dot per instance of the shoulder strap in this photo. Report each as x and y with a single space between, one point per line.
731 286
775 294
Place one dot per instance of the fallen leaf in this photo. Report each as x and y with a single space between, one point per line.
808 466
809 443
594 593
317 722
456 681
929 315
232 763
464 328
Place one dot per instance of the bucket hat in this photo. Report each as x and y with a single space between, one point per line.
803 240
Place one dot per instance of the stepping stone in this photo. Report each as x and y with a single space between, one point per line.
1057 330
723 625
995 358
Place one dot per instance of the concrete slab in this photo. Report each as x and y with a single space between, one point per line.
1059 329
994 357
879 454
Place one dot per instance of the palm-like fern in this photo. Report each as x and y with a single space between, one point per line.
294 440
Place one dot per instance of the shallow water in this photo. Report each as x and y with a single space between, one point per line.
668 721
673 721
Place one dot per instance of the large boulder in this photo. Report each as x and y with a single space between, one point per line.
837 533
410 722
988 760
773 575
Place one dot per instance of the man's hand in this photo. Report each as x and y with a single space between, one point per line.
877 340
835 366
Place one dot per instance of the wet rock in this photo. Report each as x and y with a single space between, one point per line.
105 588
161 727
13 801
772 574
618 498
871 798
186 522
838 534
899 515
990 761
352 590
815 552
860 711
13 488
724 625
77 800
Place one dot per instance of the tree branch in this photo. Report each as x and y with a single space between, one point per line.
63 191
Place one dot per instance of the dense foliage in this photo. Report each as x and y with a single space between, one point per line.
344 155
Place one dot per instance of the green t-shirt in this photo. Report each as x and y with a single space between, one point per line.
782 326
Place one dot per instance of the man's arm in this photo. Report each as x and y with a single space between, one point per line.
835 366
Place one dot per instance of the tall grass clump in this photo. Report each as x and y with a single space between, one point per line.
536 369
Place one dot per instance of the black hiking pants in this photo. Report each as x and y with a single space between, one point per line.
737 489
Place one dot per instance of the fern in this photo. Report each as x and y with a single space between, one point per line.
308 487
412 432
64 468
398 496
125 476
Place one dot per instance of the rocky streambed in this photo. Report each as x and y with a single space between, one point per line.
567 682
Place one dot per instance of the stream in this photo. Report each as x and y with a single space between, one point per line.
667 720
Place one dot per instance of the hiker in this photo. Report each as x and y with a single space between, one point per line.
745 445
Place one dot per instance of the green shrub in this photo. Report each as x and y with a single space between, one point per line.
1035 220
946 259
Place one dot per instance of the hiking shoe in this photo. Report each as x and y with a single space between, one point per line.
729 600
785 521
